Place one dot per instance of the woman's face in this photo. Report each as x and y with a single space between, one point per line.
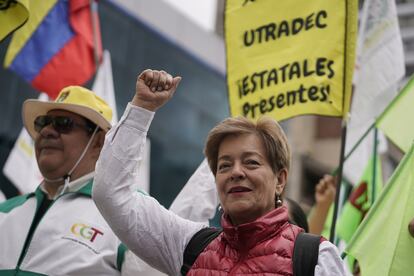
245 181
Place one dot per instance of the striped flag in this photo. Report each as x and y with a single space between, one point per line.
55 47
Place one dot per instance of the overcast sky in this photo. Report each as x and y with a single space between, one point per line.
203 12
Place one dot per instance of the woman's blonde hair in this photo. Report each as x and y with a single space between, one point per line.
267 129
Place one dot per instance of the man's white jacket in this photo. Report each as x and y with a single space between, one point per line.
71 238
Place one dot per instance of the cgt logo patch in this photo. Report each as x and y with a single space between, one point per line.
85 231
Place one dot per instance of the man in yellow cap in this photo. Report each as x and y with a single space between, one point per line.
57 230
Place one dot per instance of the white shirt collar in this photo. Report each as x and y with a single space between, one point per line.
73 186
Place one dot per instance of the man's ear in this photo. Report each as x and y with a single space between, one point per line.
98 142
281 180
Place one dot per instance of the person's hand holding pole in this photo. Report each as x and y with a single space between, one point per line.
154 88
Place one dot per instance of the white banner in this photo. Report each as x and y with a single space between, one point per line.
103 85
198 199
379 68
21 165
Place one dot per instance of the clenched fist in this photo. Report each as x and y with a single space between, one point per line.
154 88
325 190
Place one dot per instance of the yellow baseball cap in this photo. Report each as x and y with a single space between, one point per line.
75 99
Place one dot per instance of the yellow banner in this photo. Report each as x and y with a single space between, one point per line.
290 57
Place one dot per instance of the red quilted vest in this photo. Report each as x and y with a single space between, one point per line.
262 247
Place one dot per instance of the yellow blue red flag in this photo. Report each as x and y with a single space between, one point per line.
55 47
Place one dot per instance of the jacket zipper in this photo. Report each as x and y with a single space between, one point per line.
237 265
29 238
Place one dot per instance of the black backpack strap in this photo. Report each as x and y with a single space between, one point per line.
196 245
305 254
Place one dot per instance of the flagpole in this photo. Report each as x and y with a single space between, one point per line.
335 172
374 170
339 180
94 13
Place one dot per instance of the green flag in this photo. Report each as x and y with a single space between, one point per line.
396 120
328 222
382 243
360 200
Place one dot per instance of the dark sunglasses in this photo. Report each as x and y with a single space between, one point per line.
61 124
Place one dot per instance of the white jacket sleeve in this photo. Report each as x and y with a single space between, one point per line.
329 261
153 233
198 200
134 266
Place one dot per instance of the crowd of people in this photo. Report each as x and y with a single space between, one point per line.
87 217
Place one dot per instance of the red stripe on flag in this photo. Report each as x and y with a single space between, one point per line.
81 21
74 64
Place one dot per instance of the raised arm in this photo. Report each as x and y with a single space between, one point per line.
153 233
324 196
